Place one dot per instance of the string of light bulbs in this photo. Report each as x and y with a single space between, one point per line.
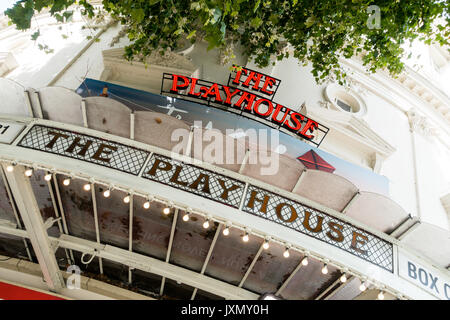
170 205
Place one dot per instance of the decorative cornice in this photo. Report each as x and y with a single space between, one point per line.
424 89
409 84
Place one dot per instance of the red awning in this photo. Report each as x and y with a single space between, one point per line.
13 292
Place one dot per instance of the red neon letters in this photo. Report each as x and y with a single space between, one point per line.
247 101
256 78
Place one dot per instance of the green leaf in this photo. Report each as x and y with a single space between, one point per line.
256 22
191 34
256 5
68 15
58 17
21 15
178 32
273 18
137 15
59 5
310 21
35 35
223 29
213 41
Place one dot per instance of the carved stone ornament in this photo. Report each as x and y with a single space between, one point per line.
420 124
324 104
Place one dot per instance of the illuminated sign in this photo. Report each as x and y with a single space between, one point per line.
253 80
213 186
257 104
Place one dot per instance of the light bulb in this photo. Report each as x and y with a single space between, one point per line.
266 245
28 172
226 231
245 238
381 295
305 261
206 224
146 204
10 168
166 210
66 181
126 199
186 217
362 287
286 253
87 187
343 278
48 177
325 269
107 193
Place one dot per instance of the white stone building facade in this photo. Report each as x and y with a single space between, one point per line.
398 129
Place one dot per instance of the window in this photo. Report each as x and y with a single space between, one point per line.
343 105
345 100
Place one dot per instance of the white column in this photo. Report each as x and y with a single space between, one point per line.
29 211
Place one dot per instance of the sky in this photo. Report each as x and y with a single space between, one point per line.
5 4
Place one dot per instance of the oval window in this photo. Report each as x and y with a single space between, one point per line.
345 100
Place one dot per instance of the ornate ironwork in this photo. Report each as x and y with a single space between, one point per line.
304 219
83 147
193 179
216 187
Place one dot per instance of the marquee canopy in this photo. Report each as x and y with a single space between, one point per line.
143 219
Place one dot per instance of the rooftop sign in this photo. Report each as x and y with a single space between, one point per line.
257 105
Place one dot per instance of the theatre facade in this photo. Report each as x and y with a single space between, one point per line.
187 178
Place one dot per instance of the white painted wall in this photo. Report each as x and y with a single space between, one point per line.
434 179
297 85
393 126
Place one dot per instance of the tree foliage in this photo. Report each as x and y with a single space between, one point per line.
318 32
